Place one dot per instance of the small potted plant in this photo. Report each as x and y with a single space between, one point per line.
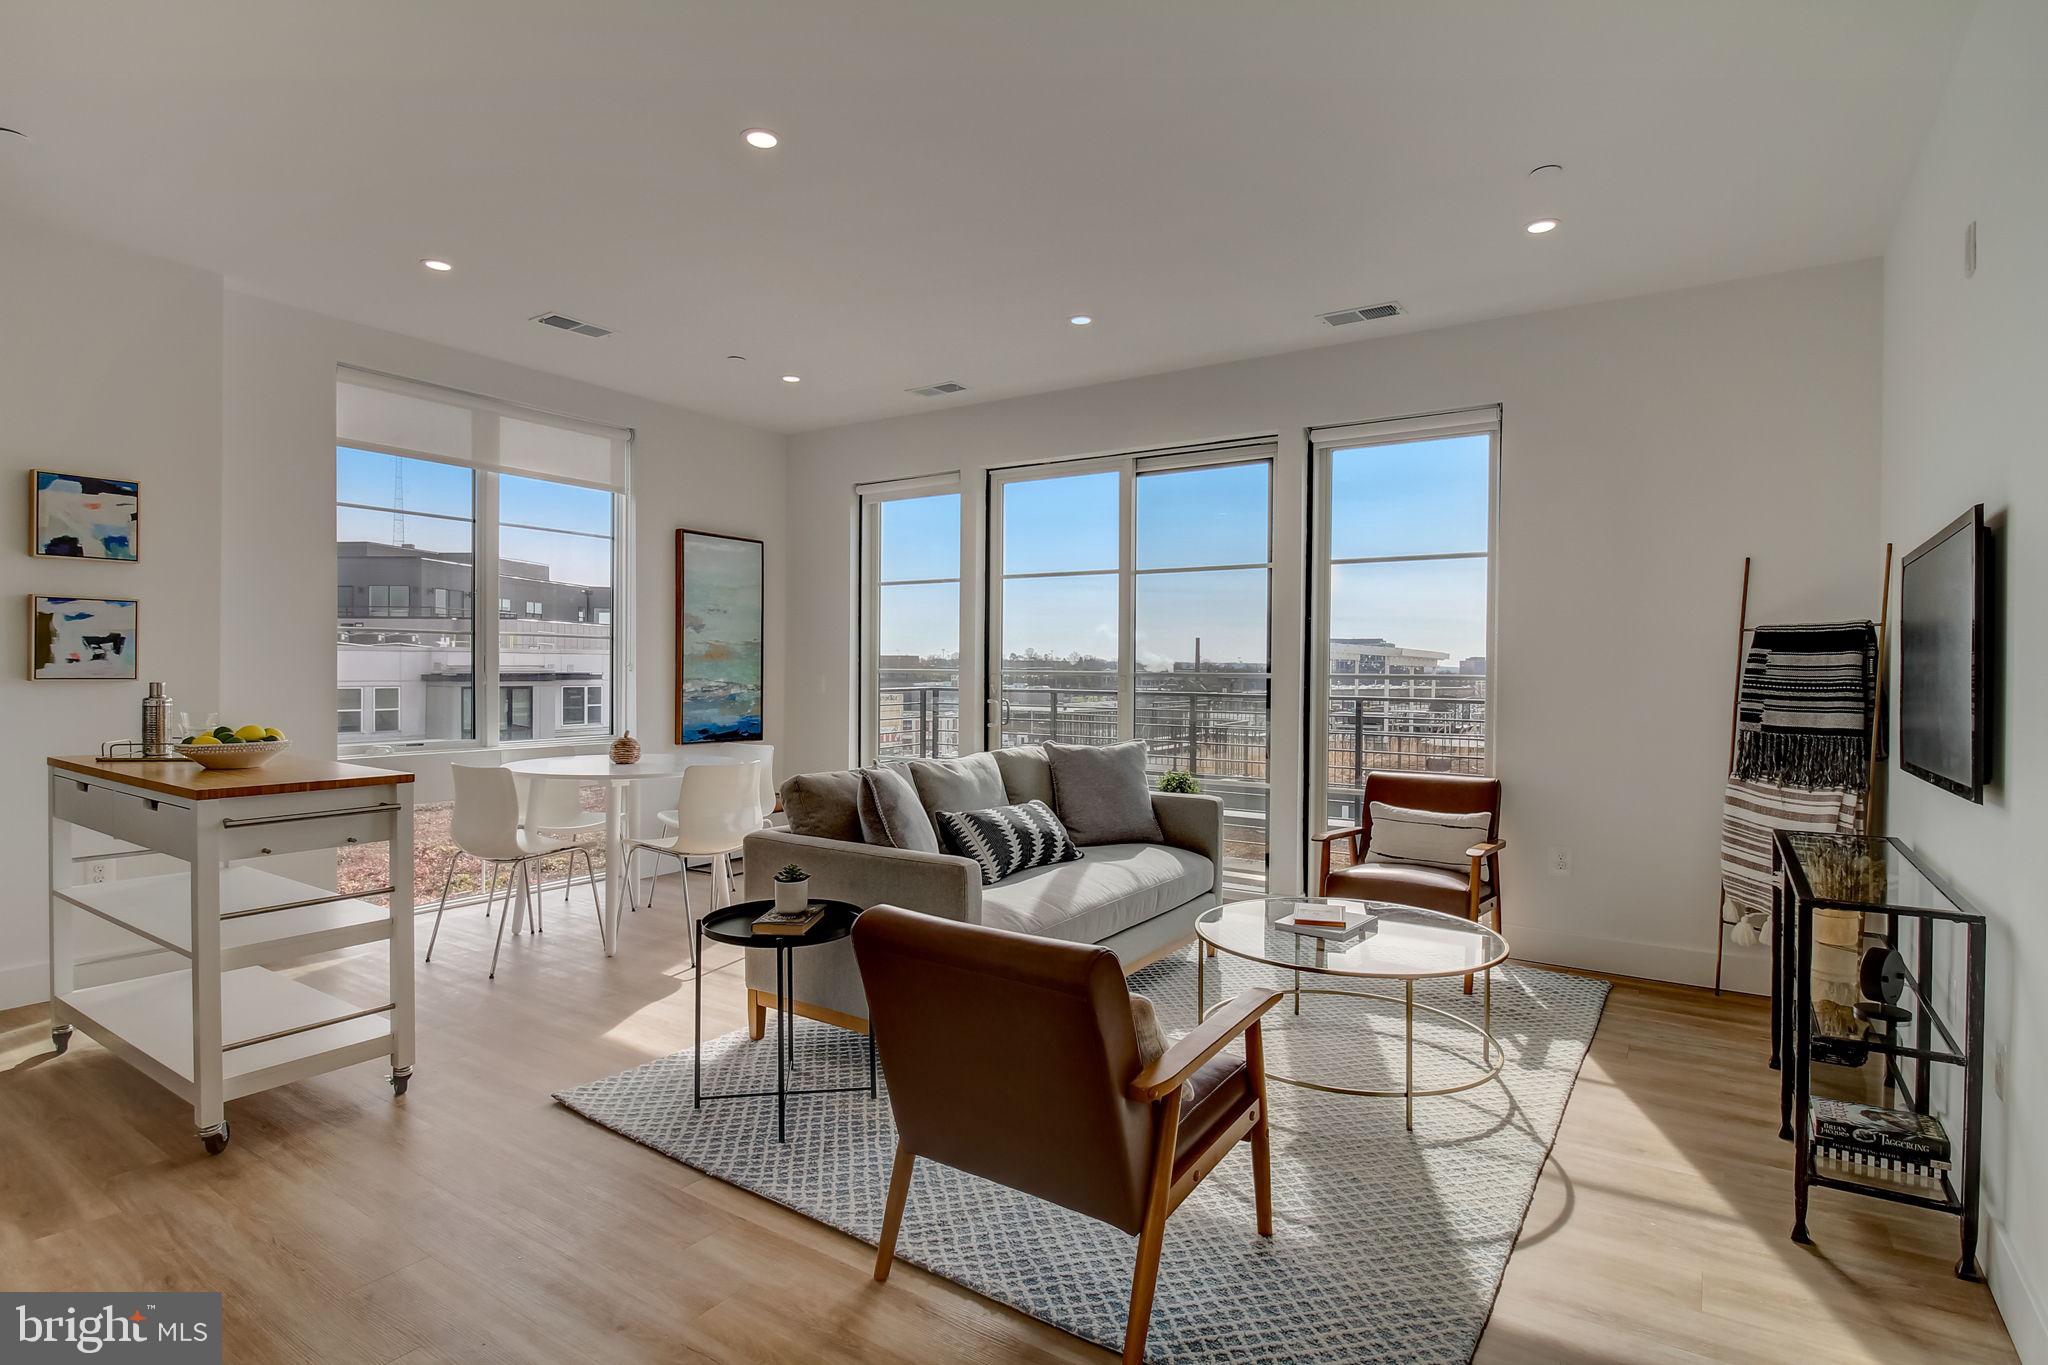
792 889
1181 782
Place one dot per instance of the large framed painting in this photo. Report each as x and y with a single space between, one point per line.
82 638
720 630
78 516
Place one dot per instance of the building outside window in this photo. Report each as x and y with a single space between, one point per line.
582 706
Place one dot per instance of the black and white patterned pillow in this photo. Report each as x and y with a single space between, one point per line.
1007 839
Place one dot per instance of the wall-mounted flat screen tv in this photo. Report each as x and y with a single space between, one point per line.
1944 716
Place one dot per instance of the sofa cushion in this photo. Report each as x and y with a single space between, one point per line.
1027 776
1007 839
1101 794
971 782
824 805
890 814
1111 888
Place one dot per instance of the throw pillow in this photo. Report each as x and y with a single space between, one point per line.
1100 793
1430 838
1026 774
1151 1034
1007 839
970 783
890 815
824 805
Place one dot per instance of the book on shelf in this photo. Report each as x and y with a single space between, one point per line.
790 922
1881 1134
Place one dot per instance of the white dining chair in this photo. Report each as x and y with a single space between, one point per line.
487 826
719 807
765 754
555 808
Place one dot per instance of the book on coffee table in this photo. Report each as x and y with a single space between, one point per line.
1332 920
790 923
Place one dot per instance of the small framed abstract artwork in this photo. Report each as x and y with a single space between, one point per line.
81 638
77 516
720 637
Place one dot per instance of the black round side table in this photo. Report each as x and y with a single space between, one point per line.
735 925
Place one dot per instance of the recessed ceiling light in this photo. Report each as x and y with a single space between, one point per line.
792 379
1080 319
1542 225
761 137
432 264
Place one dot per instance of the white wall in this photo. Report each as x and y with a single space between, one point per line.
222 405
109 364
1963 370
1647 446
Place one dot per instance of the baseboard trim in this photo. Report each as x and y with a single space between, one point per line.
1745 970
24 983
2012 1289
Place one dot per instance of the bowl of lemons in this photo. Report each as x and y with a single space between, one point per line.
247 746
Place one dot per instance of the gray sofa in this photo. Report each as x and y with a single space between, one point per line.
1139 900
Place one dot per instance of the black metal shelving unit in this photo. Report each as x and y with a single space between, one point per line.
1837 872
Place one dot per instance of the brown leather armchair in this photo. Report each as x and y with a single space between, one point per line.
1471 892
1015 1058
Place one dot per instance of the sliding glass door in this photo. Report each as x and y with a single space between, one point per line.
1404 540
1134 602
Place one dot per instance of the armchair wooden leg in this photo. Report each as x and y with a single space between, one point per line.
1152 1236
1262 1138
757 1014
892 1216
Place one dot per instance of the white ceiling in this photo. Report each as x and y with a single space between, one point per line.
958 176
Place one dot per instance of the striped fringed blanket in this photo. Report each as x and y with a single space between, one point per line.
1750 813
1803 717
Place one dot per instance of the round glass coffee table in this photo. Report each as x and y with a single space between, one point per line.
1390 943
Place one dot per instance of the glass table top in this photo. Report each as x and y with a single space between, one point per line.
1392 941
1856 870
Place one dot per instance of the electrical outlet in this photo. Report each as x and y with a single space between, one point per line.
96 872
1561 862
1998 1071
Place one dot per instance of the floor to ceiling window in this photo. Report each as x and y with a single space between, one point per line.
1132 600
1404 539
444 501
910 609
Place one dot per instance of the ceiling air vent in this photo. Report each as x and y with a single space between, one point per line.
569 324
939 390
1371 312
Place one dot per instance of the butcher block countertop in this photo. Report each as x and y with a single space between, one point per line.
284 773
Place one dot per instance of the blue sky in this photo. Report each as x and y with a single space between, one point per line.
368 477
1415 498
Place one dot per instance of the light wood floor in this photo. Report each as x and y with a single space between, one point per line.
475 1220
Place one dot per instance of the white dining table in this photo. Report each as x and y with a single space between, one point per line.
621 807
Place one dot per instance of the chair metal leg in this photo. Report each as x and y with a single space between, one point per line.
503 915
590 878
442 908
536 881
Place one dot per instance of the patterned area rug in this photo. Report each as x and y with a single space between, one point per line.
1387 1246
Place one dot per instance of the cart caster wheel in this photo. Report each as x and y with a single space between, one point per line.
216 1143
60 1038
399 1083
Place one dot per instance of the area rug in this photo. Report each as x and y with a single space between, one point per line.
1388 1245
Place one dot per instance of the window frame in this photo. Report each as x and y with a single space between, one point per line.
485 627
583 691
1324 444
870 499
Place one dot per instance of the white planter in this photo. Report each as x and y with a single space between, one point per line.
792 896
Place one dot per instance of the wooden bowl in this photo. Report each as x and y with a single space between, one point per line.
243 755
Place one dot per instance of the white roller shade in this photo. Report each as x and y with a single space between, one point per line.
380 412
